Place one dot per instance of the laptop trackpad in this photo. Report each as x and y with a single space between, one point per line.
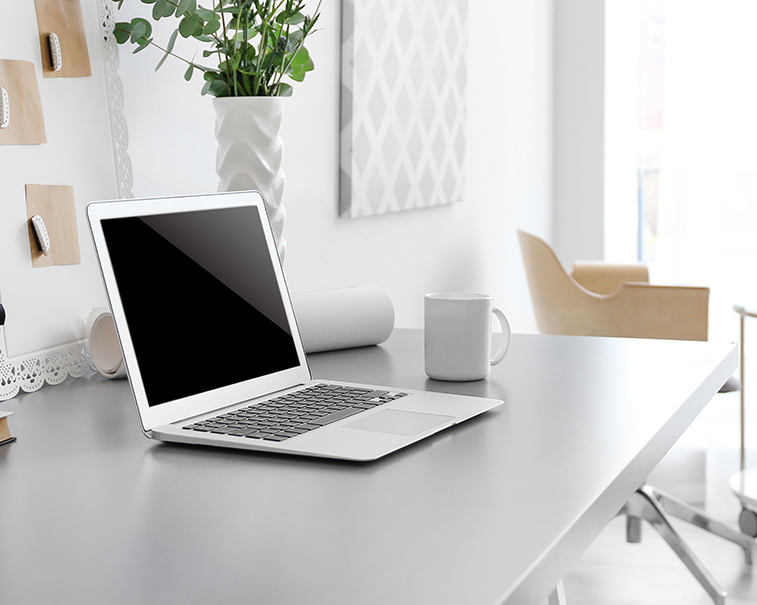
399 422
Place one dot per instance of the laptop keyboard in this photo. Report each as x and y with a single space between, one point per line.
295 413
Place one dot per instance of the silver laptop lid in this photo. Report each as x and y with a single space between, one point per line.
199 301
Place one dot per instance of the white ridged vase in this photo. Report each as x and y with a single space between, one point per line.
249 153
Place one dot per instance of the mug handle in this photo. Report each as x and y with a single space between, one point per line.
506 337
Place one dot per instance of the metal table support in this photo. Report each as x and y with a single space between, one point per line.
744 483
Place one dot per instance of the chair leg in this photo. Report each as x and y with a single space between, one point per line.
686 512
644 505
633 527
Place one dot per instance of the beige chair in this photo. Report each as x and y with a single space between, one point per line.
599 299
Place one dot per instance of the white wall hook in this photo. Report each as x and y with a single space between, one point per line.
56 57
40 233
5 108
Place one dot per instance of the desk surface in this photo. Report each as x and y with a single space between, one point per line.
492 511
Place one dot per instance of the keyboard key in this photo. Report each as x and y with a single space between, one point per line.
297 430
333 417
241 432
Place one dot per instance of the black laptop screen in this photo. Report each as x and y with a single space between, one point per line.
201 299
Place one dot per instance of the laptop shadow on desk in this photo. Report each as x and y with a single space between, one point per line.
166 456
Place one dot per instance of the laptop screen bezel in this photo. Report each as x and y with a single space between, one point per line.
187 407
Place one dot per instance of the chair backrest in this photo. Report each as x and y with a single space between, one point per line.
558 300
562 306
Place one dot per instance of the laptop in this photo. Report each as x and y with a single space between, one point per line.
211 345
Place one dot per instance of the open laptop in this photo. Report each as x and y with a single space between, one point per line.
211 344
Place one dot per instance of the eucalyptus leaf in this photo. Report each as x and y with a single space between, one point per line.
295 37
249 54
211 27
205 14
253 43
286 19
159 9
218 88
301 57
140 28
145 44
168 50
172 41
185 7
190 25
122 32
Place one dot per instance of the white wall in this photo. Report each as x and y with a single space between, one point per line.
78 153
596 54
579 150
468 246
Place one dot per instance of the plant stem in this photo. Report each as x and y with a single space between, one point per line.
230 75
300 44
187 61
264 29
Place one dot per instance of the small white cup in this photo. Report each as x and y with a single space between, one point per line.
458 335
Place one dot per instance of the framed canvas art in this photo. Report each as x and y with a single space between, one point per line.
403 104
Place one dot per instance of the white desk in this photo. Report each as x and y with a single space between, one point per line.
493 511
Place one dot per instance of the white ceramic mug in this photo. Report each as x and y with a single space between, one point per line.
458 335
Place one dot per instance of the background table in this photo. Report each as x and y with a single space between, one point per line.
492 511
744 483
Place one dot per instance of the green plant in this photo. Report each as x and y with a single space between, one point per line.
255 42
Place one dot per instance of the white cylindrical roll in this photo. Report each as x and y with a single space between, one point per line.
343 318
103 344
